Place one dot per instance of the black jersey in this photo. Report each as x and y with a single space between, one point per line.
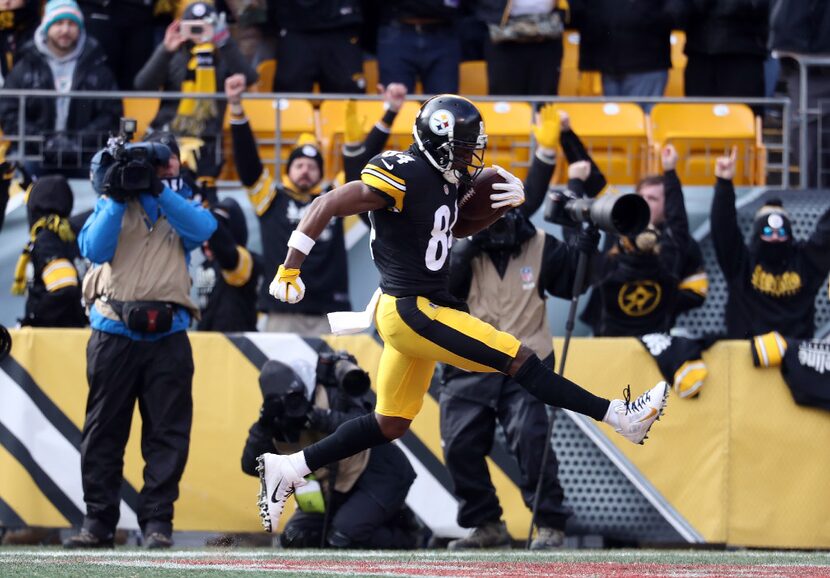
411 238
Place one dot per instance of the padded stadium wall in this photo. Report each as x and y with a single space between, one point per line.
740 465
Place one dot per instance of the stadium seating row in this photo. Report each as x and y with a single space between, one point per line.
623 140
473 74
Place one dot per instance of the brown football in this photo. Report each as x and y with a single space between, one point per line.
474 205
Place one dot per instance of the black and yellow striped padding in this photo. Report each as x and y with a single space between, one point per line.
384 181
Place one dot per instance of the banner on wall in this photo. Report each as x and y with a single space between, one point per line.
734 465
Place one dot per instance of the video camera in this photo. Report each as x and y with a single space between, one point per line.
624 215
129 168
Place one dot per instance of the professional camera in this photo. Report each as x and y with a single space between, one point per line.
623 215
129 168
340 369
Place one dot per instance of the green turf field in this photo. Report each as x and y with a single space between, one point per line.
55 563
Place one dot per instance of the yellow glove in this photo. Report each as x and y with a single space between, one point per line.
353 132
287 285
546 130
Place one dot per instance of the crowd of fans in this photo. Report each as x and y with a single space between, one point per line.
640 284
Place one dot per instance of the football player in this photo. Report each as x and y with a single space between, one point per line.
412 199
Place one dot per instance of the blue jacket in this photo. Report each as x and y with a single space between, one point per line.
99 238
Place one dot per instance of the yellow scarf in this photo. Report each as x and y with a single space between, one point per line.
193 114
54 223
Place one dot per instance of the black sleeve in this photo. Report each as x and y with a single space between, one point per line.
559 262
153 75
10 106
223 246
686 297
346 408
675 209
817 247
461 272
536 185
575 151
730 249
259 442
108 111
245 153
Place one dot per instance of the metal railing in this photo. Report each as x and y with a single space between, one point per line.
783 147
804 112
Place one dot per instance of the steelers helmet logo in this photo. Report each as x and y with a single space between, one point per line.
775 221
639 298
309 151
441 121
199 10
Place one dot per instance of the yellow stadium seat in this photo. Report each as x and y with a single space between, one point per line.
614 134
573 82
508 132
701 133
472 78
143 110
332 120
266 70
676 83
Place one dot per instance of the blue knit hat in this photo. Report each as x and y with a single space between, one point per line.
56 10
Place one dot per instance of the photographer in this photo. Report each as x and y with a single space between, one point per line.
138 238
357 502
196 56
504 273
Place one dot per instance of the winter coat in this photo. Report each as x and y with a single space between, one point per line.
96 117
727 27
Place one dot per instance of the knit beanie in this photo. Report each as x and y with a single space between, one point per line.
306 147
56 10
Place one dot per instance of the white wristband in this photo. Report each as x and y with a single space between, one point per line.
300 241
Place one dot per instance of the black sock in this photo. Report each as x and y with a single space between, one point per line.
356 435
557 391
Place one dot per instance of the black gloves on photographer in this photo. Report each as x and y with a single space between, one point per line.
156 186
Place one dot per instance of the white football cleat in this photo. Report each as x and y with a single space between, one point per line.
633 419
277 480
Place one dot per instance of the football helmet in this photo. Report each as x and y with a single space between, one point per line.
450 133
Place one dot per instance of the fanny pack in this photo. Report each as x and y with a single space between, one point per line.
528 28
144 316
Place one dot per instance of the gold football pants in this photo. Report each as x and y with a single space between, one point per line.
416 335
